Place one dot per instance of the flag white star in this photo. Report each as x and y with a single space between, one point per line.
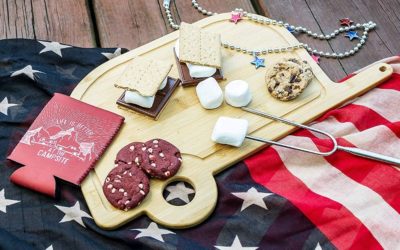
318 247
5 105
54 47
28 71
236 245
73 213
252 197
110 56
5 202
152 231
179 191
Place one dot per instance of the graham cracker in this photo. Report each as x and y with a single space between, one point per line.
199 47
144 75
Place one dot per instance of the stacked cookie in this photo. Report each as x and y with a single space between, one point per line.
127 184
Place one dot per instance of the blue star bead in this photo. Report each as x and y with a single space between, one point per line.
258 62
291 30
351 35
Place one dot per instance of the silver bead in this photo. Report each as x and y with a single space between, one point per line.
250 52
358 25
334 55
327 54
276 50
346 28
340 55
245 13
321 53
175 26
286 25
209 13
204 11
365 33
356 49
336 32
244 51
352 27
237 48
352 52
362 41
315 51
232 47
341 29
321 37
267 21
196 5
328 37
359 45
333 35
309 49
280 23
309 32
364 37
273 22
264 51
346 54
315 35
270 51
283 49
199 8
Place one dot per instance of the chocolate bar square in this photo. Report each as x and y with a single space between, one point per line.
160 101
187 80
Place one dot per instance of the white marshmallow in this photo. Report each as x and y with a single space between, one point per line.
144 101
196 71
237 93
230 131
209 93
135 98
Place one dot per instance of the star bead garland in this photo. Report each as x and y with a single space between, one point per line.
239 14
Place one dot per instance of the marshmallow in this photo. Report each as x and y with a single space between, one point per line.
237 93
136 98
230 131
209 93
196 71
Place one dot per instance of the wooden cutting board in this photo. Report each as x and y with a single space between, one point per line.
187 125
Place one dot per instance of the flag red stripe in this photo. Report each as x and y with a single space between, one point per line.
334 220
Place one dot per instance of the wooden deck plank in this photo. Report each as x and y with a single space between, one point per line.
132 23
66 21
128 23
297 12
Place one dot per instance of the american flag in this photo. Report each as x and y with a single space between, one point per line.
276 199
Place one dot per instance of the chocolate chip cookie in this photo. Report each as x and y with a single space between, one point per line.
287 79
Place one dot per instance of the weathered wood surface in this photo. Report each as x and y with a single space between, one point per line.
67 21
131 23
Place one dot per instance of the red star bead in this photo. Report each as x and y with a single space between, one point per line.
236 17
345 22
315 58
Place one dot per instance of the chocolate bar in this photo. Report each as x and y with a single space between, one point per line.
160 101
187 80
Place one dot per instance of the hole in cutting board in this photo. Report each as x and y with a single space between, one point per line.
382 69
179 193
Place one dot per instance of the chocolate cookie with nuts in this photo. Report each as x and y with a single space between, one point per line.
163 159
126 186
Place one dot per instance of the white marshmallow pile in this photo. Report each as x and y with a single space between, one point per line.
237 93
209 93
230 131
136 98
196 71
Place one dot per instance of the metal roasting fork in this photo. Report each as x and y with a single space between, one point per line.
351 150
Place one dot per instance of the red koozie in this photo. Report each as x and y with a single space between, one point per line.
65 140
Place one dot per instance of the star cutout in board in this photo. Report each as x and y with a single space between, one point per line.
179 191
345 22
258 62
5 105
73 213
252 197
54 47
236 17
152 231
5 202
110 56
28 71
236 245
316 58
352 35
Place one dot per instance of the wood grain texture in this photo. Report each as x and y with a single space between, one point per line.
323 16
66 21
131 23
187 125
